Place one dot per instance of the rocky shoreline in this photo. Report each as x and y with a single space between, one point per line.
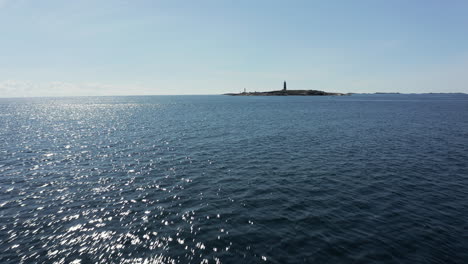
287 93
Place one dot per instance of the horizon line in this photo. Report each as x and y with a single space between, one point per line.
141 95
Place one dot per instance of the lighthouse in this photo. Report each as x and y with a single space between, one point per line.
284 86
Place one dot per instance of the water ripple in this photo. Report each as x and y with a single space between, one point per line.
233 180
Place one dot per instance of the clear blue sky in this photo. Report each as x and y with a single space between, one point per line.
106 47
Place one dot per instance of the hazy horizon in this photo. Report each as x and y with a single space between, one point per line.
106 48
138 95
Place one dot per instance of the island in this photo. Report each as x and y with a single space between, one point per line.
286 92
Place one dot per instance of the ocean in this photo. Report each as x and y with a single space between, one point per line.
220 179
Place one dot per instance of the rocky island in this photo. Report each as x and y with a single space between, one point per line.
285 92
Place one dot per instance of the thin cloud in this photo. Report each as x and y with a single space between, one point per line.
18 88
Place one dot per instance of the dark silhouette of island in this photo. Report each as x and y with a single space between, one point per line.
285 92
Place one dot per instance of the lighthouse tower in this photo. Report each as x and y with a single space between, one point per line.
284 86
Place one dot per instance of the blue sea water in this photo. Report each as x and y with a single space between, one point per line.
219 179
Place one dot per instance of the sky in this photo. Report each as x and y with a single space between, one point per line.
158 47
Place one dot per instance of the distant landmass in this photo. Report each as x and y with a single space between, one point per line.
286 92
